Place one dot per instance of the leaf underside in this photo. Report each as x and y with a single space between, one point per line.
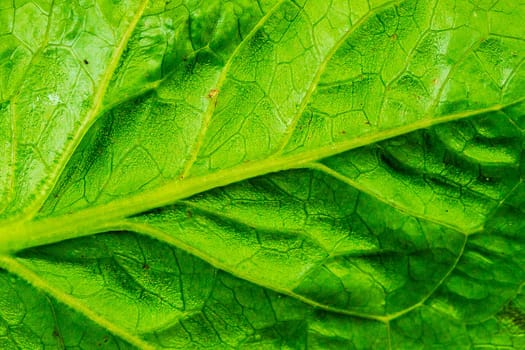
262 174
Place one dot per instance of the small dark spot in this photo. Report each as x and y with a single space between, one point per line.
213 93
145 267
343 132
367 122
181 177
56 334
55 195
106 339
393 37
513 318
184 58
86 61
189 214
485 179
321 314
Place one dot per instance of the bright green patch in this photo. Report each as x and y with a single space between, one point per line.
262 174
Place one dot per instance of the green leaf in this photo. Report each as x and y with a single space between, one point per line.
262 174
58 60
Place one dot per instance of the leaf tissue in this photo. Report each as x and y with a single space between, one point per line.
270 174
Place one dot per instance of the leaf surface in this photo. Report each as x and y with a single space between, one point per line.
270 174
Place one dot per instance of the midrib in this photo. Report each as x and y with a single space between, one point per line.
15 236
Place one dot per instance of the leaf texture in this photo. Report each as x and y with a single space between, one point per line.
262 174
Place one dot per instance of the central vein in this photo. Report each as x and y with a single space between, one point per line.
15 236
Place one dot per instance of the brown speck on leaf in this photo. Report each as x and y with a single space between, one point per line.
56 334
213 93
367 122
86 61
393 37
144 267
189 214
343 132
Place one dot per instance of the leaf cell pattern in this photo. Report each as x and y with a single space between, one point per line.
262 174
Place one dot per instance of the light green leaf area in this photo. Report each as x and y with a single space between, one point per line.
57 60
262 174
